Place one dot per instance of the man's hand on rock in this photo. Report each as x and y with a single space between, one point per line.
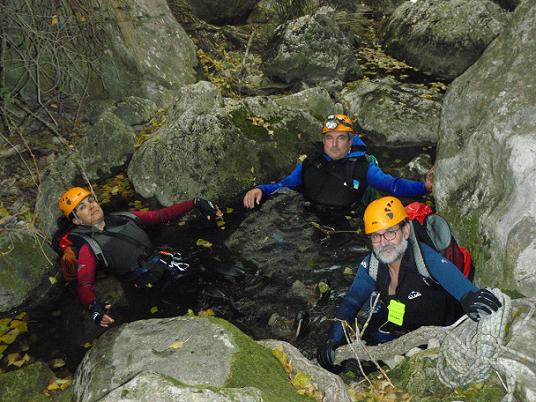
253 197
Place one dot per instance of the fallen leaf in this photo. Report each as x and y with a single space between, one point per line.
348 271
190 313
54 20
220 223
10 337
203 243
229 210
87 345
206 313
323 287
2 348
177 344
24 316
53 280
56 363
22 326
154 309
12 358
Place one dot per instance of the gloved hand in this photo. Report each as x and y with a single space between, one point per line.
207 208
98 311
326 356
478 303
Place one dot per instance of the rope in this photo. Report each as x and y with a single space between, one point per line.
470 352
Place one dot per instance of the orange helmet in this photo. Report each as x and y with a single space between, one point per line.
383 213
338 122
71 198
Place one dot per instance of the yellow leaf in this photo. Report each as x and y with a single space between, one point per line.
190 313
280 355
348 271
206 313
301 380
22 326
301 158
177 344
56 363
323 287
12 358
229 210
87 345
220 223
5 321
54 20
10 337
80 17
154 309
203 243
2 348
52 280
22 316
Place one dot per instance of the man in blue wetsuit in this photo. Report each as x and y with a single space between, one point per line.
416 285
335 178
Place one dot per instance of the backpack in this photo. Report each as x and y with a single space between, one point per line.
433 230
67 243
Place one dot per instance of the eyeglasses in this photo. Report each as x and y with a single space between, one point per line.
388 235
333 121
84 203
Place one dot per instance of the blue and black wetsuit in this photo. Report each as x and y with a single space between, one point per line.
436 304
339 184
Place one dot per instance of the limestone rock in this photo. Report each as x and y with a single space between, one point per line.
484 174
394 113
312 49
182 352
218 148
443 38
24 271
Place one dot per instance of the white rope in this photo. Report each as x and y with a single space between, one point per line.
470 351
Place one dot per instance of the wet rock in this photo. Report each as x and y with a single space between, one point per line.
443 38
222 10
24 271
146 385
416 168
218 148
484 174
394 113
311 49
25 383
191 351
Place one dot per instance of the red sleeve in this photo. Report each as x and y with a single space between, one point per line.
87 265
164 215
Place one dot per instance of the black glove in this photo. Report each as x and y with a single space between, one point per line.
478 303
97 311
326 356
207 208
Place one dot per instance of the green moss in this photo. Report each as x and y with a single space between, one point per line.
24 383
255 366
242 119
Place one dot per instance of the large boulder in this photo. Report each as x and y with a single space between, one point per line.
182 352
25 267
443 38
108 50
394 113
312 49
25 384
486 157
219 147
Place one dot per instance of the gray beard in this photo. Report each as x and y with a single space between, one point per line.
391 253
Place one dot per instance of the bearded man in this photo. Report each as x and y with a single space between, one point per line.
407 300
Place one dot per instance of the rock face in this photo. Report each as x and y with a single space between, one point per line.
394 113
443 38
181 353
312 49
218 148
109 50
484 179
26 383
24 271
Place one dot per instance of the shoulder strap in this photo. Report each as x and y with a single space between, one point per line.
129 215
94 246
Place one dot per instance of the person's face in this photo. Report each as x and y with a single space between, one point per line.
337 144
88 212
389 245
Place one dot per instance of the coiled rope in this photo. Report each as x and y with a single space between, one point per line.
470 351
